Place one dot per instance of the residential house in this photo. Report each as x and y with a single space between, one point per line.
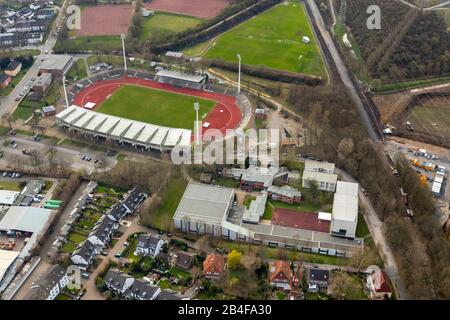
148 246
84 255
142 291
133 199
285 194
13 68
183 260
318 280
118 281
213 266
378 285
50 286
117 212
5 80
281 275
102 231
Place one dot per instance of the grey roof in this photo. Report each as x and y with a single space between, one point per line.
345 203
116 279
3 77
43 79
256 210
319 274
118 211
104 229
41 289
141 290
87 251
133 198
26 219
166 295
285 191
184 259
148 241
204 203
13 65
180 76
56 62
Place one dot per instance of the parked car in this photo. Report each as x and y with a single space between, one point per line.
85 275
364 191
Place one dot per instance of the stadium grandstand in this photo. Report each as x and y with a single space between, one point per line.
181 80
124 131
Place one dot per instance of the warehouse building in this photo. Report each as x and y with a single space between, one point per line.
345 210
8 197
124 131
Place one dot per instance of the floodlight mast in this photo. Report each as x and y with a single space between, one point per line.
65 90
122 36
239 73
197 107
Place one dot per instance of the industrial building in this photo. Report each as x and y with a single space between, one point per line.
57 65
345 210
121 130
212 210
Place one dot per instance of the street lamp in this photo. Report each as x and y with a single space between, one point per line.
122 36
197 107
239 73
65 90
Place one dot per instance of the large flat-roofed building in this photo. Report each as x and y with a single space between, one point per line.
324 181
57 65
42 83
7 259
209 209
124 131
345 210
321 173
8 197
203 208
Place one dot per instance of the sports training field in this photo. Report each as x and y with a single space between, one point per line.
273 39
155 106
161 25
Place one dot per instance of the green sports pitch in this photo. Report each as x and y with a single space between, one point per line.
155 106
273 39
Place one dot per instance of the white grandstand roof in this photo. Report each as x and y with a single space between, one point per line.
158 138
147 133
173 137
180 76
134 131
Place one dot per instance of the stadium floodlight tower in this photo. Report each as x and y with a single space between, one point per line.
239 73
65 90
123 36
197 128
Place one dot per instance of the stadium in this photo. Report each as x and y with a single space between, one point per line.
148 111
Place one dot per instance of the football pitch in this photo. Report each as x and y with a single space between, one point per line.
273 39
155 106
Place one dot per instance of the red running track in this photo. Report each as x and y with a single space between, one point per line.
225 115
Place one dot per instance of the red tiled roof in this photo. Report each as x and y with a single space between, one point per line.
380 282
280 271
301 220
214 263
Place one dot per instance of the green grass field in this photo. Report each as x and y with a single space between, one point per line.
273 39
162 25
155 106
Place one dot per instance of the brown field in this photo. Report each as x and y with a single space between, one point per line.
105 20
205 9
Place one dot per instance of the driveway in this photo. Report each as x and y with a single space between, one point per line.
377 231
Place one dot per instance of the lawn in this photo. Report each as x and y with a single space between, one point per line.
273 39
10 185
90 43
78 71
68 247
161 218
162 25
76 238
155 106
